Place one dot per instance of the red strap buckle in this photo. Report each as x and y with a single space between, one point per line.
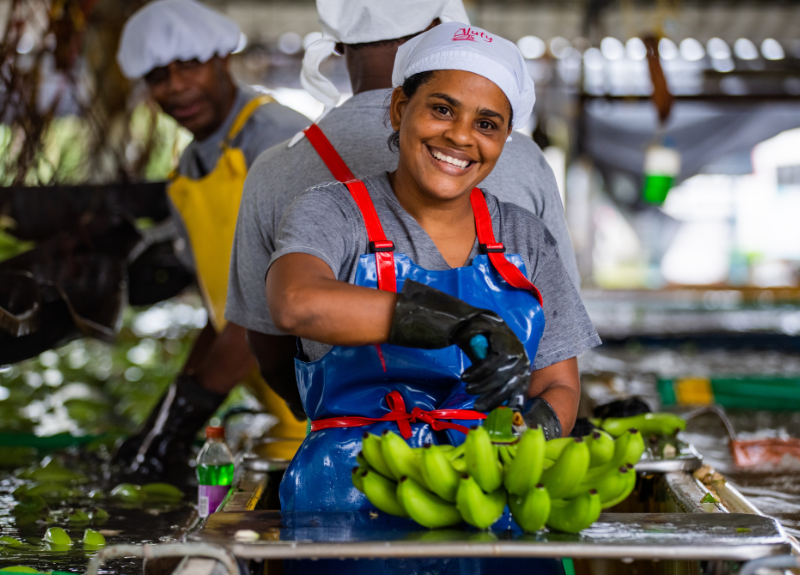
404 419
491 249
381 246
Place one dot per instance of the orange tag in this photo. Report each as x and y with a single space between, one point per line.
694 391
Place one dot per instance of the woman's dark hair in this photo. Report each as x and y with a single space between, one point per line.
410 87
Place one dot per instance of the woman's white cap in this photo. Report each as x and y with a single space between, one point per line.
361 21
166 31
456 46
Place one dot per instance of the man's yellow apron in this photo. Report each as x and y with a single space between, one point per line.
209 208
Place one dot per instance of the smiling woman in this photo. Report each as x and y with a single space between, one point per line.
455 270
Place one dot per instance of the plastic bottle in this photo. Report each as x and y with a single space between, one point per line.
214 471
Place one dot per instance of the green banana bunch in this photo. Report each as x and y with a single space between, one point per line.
373 454
400 458
574 515
438 472
523 472
648 424
568 470
482 460
601 448
609 486
532 510
424 507
476 507
382 493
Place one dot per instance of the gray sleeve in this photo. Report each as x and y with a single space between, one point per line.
247 302
568 331
320 224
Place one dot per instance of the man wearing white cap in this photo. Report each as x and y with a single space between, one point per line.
180 48
368 33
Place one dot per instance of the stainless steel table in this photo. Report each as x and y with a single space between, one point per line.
662 536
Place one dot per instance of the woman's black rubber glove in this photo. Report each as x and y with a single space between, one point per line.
427 318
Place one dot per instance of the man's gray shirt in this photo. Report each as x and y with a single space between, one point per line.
268 125
325 222
358 132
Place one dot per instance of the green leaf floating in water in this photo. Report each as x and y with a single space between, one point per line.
29 504
57 536
162 492
10 542
52 492
93 539
53 471
79 516
127 492
98 516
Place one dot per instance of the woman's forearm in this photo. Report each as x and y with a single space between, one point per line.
306 300
560 385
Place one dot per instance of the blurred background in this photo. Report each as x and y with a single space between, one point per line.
672 126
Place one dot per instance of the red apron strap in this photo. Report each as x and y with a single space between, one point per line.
492 248
328 153
383 248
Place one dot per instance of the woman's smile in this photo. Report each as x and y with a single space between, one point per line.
451 162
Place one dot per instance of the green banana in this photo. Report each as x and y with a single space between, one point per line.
634 449
438 473
554 447
456 452
531 510
459 464
572 515
400 457
424 507
371 450
595 509
627 482
648 423
628 448
382 493
482 462
524 471
358 480
568 470
361 460
601 448
477 508
608 485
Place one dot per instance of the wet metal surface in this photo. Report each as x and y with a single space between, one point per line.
727 536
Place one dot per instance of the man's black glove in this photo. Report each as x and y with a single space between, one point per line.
427 318
161 450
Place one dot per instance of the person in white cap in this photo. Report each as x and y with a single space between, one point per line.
180 48
398 281
368 34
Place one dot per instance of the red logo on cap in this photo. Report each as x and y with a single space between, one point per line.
470 35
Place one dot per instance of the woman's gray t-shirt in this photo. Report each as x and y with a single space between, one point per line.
325 222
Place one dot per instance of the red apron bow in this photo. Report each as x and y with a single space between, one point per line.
404 419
